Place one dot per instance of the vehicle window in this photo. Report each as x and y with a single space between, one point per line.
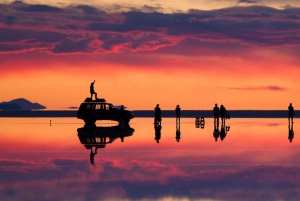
98 106
88 106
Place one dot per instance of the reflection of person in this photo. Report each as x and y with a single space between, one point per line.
92 91
291 132
291 112
177 113
178 133
216 112
216 132
223 113
92 155
223 132
157 128
157 119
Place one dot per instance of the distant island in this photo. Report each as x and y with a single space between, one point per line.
20 104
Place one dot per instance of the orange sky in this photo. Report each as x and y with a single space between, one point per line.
238 56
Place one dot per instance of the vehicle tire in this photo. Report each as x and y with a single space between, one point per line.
88 119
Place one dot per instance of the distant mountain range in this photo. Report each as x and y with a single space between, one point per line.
20 104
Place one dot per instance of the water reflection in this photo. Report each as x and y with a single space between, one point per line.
95 137
157 129
178 133
199 122
291 131
220 133
216 132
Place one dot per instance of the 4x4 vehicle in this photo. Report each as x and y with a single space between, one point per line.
92 110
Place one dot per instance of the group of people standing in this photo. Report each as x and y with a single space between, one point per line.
157 116
220 111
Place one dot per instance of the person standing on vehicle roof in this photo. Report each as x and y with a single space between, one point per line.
92 91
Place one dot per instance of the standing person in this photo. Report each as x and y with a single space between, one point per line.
157 119
92 91
177 114
216 112
291 112
223 113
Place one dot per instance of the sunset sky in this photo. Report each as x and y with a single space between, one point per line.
240 53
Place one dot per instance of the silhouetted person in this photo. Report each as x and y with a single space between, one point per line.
157 128
291 132
178 133
122 117
223 114
157 119
216 132
291 112
92 155
92 91
177 113
216 112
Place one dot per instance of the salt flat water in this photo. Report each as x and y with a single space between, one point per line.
255 159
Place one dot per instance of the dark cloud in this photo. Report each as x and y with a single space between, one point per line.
72 46
9 20
247 1
40 8
271 88
70 31
88 9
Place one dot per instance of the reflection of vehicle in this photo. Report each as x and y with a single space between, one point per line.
92 110
99 137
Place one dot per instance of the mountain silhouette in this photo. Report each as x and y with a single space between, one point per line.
20 104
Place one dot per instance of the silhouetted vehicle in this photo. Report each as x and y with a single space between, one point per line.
92 110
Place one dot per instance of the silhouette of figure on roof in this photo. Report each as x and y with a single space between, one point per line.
157 128
157 119
92 91
216 113
291 131
178 133
291 112
177 113
223 113
216 132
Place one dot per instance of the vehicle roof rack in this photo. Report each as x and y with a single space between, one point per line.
97 100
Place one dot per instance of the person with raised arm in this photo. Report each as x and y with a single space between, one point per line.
92 91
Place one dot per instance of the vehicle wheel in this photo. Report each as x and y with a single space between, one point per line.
88 119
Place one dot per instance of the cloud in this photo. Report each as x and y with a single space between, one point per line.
88 9
40 8
86 29
270 88
247 1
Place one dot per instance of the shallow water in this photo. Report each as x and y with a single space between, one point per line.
254 161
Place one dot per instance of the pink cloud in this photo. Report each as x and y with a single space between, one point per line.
271 88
